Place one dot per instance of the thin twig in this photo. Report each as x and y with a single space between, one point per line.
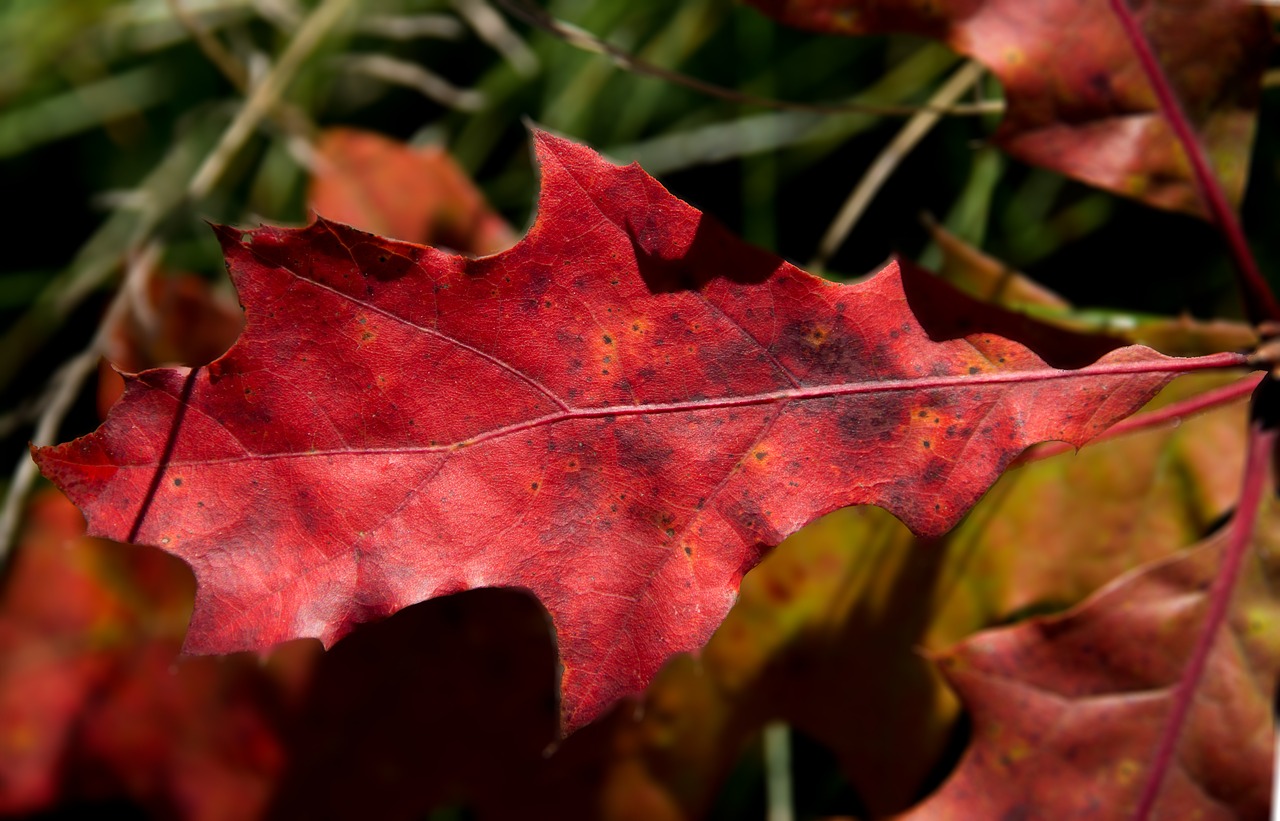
266 94
290 118
586 41
1262 444
100 257
212 47
61 392
411 75
493 29
915 129
411 26
1259 302
137 288
771 130
285 15
66 383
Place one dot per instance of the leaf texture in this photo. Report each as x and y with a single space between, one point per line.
621 414
1067 710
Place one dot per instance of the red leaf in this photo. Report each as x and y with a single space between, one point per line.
1078 100
75 616
620 414
93 706
1067 710
413 194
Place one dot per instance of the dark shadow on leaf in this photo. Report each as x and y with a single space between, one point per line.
166 455
714 252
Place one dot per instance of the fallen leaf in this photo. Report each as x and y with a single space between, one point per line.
1067 710
412 194
75 615
621 414
1079 103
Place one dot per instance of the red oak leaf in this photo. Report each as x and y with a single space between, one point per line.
621 414
1067 710
1078 100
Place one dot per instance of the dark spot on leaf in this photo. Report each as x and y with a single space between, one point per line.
177 482
688 551
534 485
382 263
608 340
760 455
864 424
973 369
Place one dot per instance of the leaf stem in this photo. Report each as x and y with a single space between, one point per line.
915 130
1262 443
1259 301
267 94
585 41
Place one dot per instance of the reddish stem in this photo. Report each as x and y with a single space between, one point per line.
1170 414
1260 302
1262 442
